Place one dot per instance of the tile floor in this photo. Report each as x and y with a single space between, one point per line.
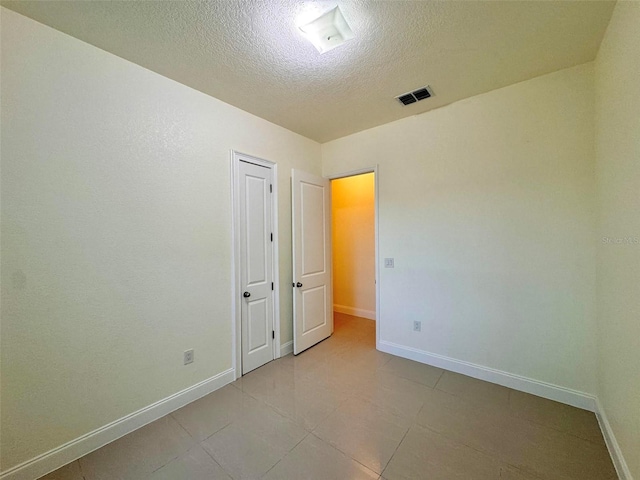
343 410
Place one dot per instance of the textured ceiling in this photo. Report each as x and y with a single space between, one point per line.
250 53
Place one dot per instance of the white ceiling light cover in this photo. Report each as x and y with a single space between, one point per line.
328 31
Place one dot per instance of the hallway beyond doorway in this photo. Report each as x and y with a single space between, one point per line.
353 214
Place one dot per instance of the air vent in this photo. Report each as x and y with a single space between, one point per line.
415 96
407 99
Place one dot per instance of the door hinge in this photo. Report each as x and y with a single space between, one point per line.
270 188
271 285
272 237
273 334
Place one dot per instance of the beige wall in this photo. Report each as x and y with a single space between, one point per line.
487 206
618 185
353 217
116 234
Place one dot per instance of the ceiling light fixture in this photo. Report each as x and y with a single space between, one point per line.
328 31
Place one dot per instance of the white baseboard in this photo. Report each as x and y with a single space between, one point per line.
286 348
70 451
524 384
356 312
612 444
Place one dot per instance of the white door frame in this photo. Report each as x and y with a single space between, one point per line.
353 173
236 288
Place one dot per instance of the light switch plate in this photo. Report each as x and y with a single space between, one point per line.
388 263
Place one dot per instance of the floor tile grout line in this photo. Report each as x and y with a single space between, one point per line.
396 450
460 442
336 447
387 361
556 429
216 432
173 459
272 409
529 474
80 468
182 426
511 414
485 453
439 378
491 454
519 417
286 454
195 442
189 433
214 460
397 375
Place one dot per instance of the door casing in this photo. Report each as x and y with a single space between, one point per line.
236 289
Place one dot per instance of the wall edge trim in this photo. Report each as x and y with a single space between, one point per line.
620 464
87 443
550 391
357 312
286 348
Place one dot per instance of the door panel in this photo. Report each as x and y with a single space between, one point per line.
256 265
257 313
313 228
312 296
314 301
256 189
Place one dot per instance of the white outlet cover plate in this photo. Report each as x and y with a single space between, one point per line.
188 356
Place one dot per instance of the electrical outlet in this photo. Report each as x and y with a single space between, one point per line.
388 263
188 356
417 326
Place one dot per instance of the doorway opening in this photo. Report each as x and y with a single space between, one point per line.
353 219
312 259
